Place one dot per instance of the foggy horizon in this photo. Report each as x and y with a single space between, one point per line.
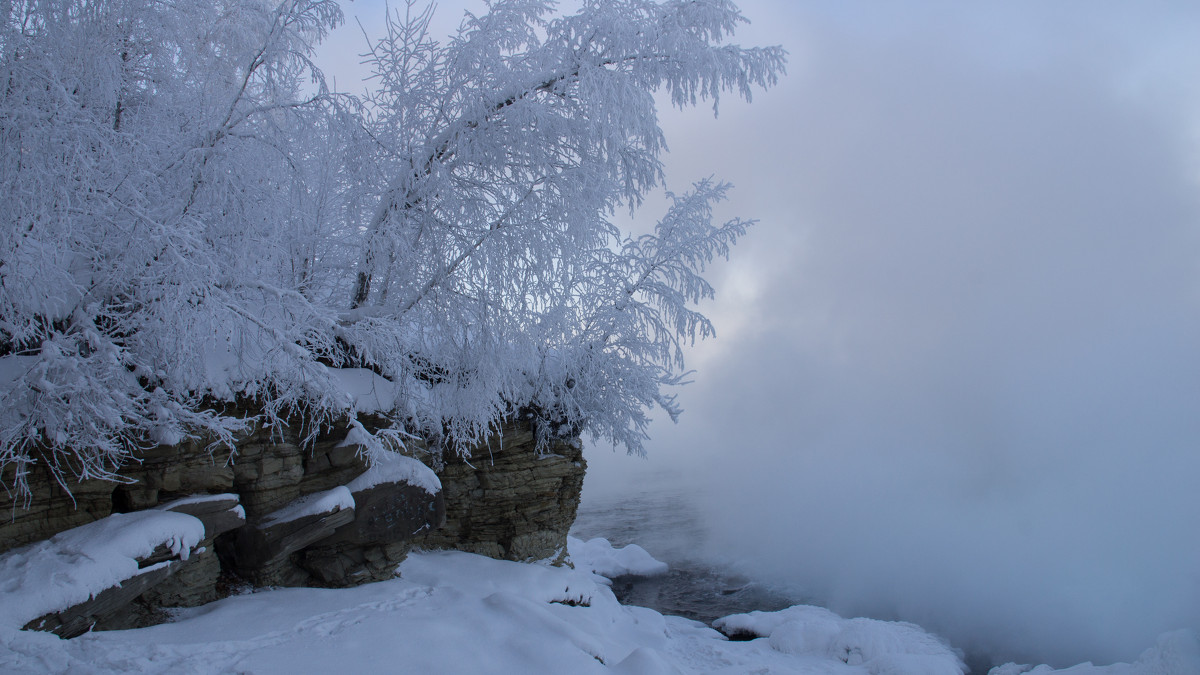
956 370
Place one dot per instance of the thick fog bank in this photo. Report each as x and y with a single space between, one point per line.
959 368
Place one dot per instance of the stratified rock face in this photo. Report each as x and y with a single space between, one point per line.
507 501
280 513
51 509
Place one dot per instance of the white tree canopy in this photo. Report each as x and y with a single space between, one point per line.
193 225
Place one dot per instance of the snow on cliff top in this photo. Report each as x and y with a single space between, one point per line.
75 565
366 390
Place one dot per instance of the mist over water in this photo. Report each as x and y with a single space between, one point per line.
958 372
957 376
650 510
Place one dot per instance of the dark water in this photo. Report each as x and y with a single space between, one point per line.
664 522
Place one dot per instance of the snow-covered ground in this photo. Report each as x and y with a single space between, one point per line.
452 612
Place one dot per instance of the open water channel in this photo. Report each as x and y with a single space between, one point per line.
662 521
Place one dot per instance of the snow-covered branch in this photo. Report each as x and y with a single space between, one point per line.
190 219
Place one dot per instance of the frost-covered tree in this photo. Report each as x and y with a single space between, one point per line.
192 220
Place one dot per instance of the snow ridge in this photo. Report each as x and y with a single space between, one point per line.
600 557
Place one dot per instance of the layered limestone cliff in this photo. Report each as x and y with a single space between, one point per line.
281 512
508 501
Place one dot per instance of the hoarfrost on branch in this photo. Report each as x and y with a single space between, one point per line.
192 219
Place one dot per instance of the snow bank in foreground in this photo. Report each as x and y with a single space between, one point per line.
1177 653
880 646
599 556
454 612
450 612
75 565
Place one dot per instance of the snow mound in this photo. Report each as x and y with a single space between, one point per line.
75 565
1176 653
598 556
882 647
392 467
480 576
642 661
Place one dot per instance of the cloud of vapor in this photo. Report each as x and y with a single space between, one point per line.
958 365
958 376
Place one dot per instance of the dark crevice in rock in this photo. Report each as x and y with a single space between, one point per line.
741 635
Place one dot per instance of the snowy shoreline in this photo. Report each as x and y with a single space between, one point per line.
452 612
